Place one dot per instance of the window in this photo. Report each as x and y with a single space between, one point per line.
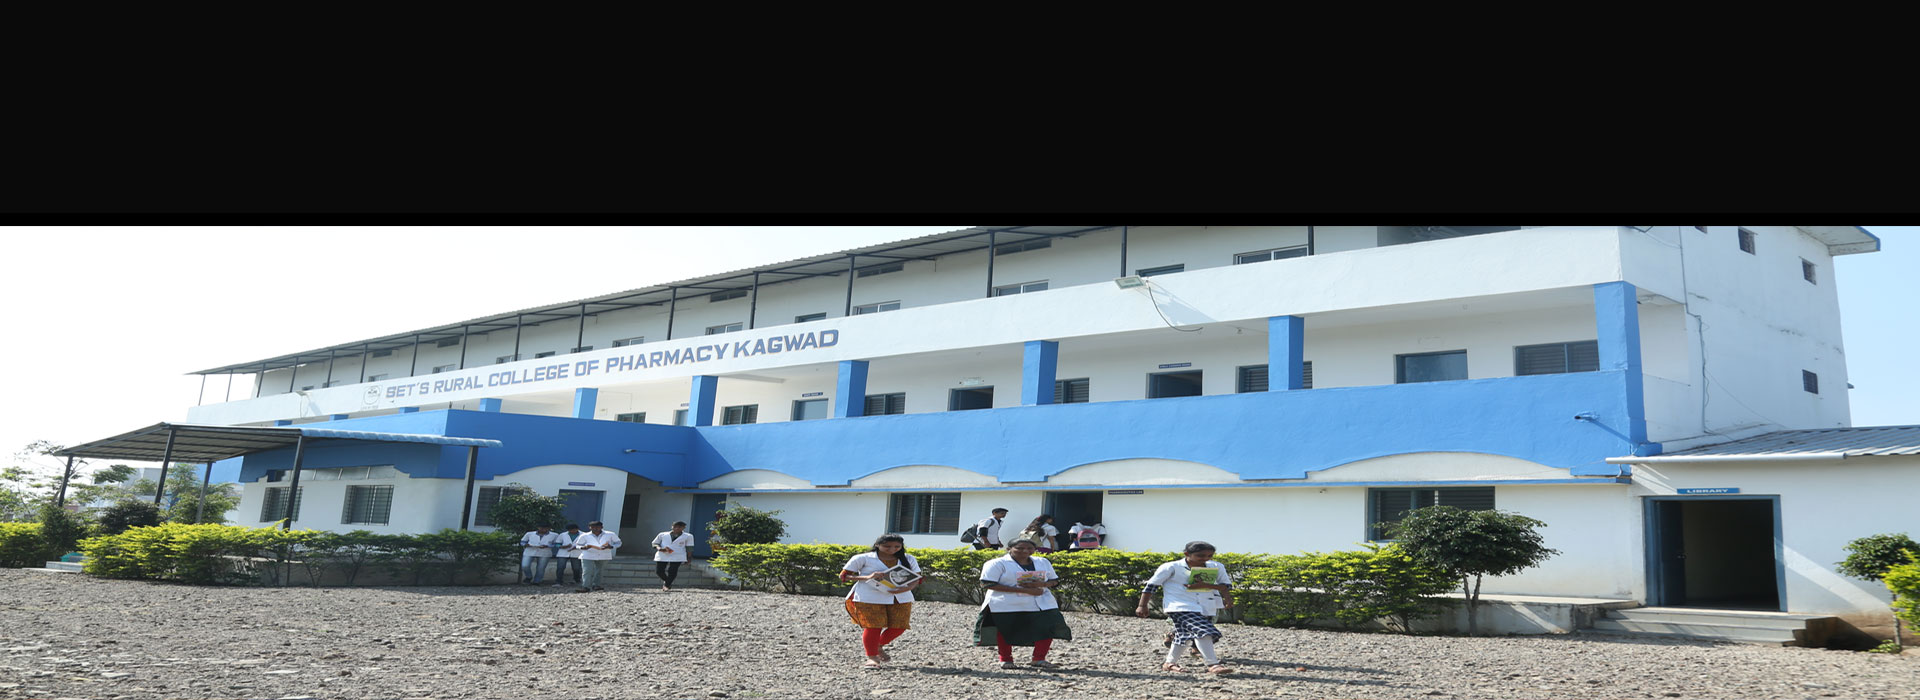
1022 247
725 328
1746 242
1810 382
1071 391
880 269
924 513
1171 384
334 383
367 505
488 498
740 415
680 416
1020 288
640 417
972 398
623 342
446 342
583 348
810 317
445 368
1385 506
308 387
1271 254
1556 358
274 506
1430 367
726 295
380 353
539 355
505 358
377 377
809 409
886 404
1162 270
1806 271
1253 378
876 308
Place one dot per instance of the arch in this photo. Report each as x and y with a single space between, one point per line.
756 479
923 476
1145 471
1439 466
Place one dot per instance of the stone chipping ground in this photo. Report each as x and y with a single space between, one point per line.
73 636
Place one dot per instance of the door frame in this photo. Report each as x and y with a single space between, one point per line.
1650 544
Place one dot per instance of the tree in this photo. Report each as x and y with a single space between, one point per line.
1472 545
1873 556
125 515
183 502
740 524
522 510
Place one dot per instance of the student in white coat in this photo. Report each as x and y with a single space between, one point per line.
1195 588
669 552
568 557
596 547
881 601
1020 609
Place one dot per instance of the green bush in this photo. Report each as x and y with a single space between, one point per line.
953 574
21 545
740 524
1351 588
473 556
121 516
1869 557
1904 582
201 554
520 512
1471 545
62 529
793 568
1103 580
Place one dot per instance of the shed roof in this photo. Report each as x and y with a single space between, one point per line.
1823 443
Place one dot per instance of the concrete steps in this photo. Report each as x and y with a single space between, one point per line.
1748 626
70 566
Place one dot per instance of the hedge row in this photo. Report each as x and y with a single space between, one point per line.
21 545
1349 589
228 554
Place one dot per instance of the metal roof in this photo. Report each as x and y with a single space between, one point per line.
212 443
1825 443
826 264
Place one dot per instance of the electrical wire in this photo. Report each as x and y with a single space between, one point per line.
1163 316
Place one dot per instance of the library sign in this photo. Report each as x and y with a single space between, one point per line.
631 359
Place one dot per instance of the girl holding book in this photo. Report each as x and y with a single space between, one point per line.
882 596
1020 609
1195 587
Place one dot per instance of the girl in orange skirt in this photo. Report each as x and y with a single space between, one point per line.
882 596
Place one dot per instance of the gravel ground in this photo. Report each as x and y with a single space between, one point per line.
66 635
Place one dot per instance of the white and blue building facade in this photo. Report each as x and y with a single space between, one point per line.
1266 388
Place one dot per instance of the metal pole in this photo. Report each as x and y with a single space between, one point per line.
516 336
166 458
203 391
1309 240
229 396
466 504
990 264
413 366
293 375
60 499
1123 251
329 381
261 382
673 302
580 340
850 272
201 509
366 355
463 347
753 302
293 489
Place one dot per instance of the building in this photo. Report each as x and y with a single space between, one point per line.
1267 388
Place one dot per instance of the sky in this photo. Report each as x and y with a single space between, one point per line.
109 320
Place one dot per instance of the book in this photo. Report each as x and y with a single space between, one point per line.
1030 577
1205 575
898 577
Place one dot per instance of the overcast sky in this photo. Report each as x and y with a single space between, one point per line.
109 320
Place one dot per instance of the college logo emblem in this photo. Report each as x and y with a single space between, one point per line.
371 398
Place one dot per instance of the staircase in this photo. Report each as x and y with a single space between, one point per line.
1749 626
639 572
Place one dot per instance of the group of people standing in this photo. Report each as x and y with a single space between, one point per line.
1019 607
989 533
587 554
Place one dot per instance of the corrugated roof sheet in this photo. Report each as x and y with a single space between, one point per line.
1869 441
212 443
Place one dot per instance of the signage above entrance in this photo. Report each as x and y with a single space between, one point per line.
1706 492
1126 492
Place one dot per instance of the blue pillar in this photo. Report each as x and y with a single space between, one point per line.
337 416
1616 316
850 393
409 409
490 405
1286 350
700 404
584 399
1037 372
282 422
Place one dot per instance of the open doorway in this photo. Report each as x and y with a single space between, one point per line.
1170 384
1069 507
970 399
1714 552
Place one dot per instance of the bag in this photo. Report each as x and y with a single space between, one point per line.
1038 538
1088 538
968 534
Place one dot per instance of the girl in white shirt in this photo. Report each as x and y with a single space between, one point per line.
880 602
1020 609
1190 603
669 552
1042 532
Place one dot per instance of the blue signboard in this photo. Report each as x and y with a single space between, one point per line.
1176 365
1126 492
1706 492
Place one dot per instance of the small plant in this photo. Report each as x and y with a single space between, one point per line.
1873 557
1887 647
62 529
746 525
1472 544
129 514
523 510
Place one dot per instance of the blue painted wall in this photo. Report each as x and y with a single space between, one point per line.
1270 435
